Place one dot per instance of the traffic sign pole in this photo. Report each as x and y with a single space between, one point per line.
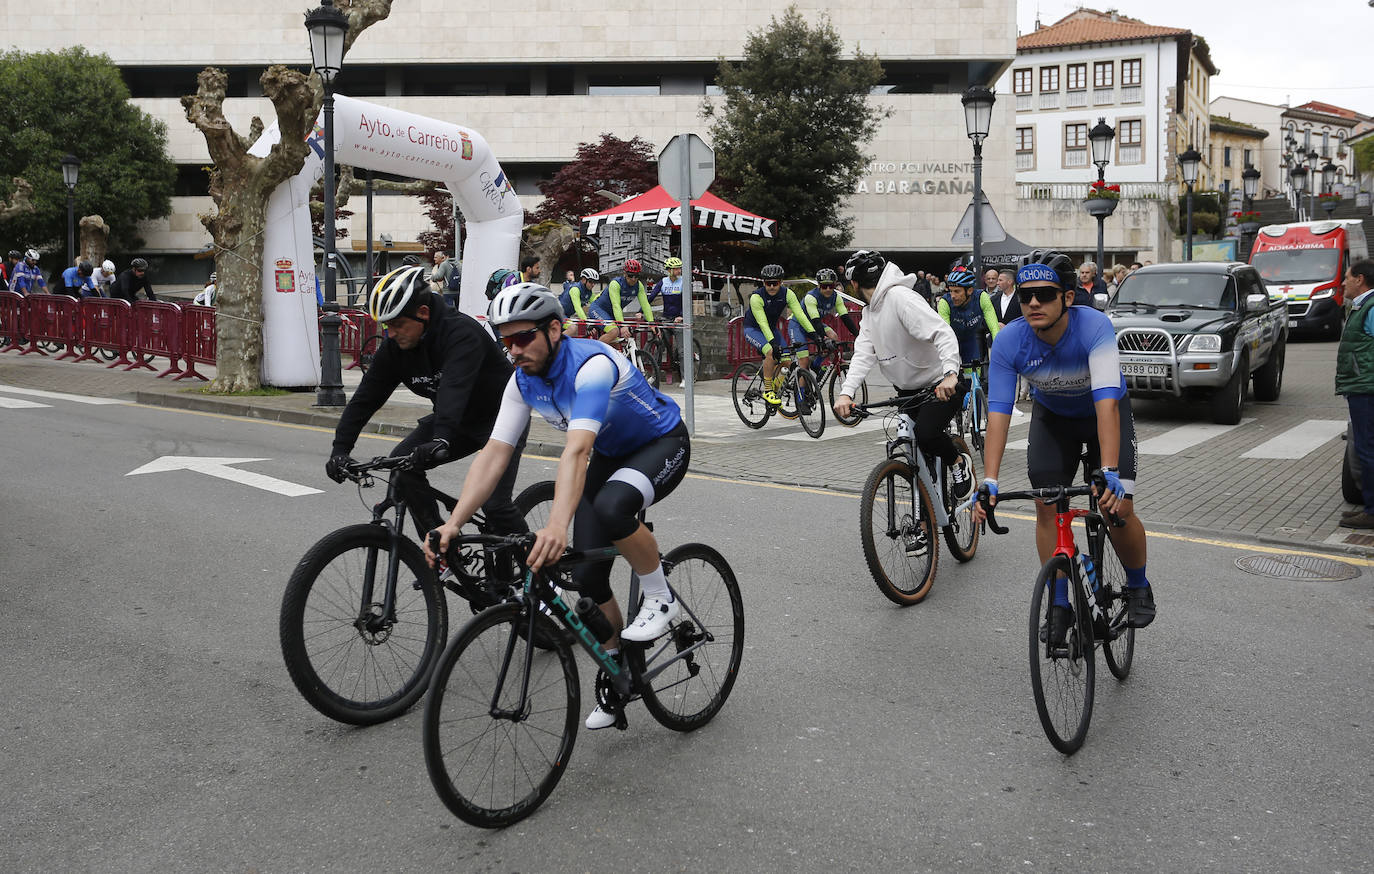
688 365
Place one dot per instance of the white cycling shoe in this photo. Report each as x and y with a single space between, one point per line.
599 719
653 619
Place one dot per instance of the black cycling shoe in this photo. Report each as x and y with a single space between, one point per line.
1056 629
1140 606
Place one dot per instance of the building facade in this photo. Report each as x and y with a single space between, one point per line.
1233 146
536 80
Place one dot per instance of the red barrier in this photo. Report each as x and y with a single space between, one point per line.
106 324
157 332
53 318
13 322
738 349
198 339
354 330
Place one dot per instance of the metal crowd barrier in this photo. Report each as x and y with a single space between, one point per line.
198 340
105 324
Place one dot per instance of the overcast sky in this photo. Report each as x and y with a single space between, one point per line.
1256 44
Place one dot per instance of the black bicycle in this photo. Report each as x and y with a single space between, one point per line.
364 619
1063 673
502 714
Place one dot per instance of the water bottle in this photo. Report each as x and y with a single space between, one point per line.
594 619
1089 571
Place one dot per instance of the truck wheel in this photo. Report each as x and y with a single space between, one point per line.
1350 483
1229 399
1269 378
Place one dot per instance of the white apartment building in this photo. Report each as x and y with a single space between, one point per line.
1312 125
537 79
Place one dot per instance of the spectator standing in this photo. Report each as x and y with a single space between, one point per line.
77 281
1355 380
206 298
1004 300
1089 284
1118 274
132 281
990 281
27 278
104 277
529 268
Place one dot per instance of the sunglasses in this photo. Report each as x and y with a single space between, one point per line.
1042 294
519 338
827 285
772 284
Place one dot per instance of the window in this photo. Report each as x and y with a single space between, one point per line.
1130 148
1076 145
1247 157
1021 81
1025 148
1130 72
1326 141
1226 156
1049 79
1076 76
1102 74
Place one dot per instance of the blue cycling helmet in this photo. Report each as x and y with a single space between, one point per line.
960 276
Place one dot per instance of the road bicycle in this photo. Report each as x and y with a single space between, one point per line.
973 414
640 354
832 367
796 387
502 715
364 618
1063 675
666 349
905 499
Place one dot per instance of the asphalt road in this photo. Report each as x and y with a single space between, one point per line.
150 725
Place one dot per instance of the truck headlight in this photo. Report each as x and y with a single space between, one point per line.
1324 293
1204 343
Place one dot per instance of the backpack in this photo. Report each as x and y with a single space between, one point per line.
455 281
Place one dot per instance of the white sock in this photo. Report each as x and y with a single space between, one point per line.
655 585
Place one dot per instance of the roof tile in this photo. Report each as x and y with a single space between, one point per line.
1090 26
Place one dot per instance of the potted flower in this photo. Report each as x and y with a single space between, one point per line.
1247 221
1328 200
1101 198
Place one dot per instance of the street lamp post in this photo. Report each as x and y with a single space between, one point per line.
1101 137
328 27
1249 180
1328 186
71 169
978 103
1188 162
1298 176
1312 171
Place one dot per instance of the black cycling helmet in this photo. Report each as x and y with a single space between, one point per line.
826 276
411 261
85 268
139 264
865 267
15 255
771 271
1056 261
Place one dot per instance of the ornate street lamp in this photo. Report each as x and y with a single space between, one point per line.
1249 181
71 169
1188 163
1312 170
978 103
328 27
1328 186
1101 137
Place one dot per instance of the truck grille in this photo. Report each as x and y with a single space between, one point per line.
1149 342
1298 309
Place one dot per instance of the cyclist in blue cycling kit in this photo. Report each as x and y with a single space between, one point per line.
77 281
766 306
610 305
970 313
825 300
1068 356
27 278
627 449
670 288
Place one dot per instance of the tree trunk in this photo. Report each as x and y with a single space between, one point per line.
547 241
95 239
19 201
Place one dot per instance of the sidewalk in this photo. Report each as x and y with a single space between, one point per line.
1206 490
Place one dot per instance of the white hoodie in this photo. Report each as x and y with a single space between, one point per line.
913 347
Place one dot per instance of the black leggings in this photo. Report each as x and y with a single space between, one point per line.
502 516
616 491
931 418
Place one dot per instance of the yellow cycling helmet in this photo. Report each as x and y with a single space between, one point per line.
398 293
672 262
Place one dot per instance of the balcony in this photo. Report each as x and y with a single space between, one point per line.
1130 93
1076 190
1025 102
1103 96
1076 100
1049 100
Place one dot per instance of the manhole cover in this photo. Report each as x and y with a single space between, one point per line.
1297 567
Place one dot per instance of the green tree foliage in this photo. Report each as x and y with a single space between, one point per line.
53 103
1364 156
791 130
624 167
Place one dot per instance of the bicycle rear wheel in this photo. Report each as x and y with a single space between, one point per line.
810 406
644 360
1062 684
900 548
978 424
836 382
691 690
961 535
349 661
1118 644
746 390
490 770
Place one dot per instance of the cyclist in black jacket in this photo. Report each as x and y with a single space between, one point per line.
447 356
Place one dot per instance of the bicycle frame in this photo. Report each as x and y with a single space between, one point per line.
905 447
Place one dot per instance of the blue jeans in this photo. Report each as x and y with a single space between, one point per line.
1362 437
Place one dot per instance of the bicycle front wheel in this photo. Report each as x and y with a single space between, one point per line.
897 530
810 406
961 535
978 425
1118 643
746 390
860 396
349 659
1062 681
492 754
644 360
703 647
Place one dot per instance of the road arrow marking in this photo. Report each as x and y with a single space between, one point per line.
221 468
17 404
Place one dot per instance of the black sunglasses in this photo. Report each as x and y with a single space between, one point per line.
827 285
771 283
1043 294
519 338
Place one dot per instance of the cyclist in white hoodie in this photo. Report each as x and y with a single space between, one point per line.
913 347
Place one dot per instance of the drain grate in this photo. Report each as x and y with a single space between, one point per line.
1308 568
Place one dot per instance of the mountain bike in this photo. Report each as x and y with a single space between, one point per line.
796 387
1063 674
502 715
364 618
905 498
832 366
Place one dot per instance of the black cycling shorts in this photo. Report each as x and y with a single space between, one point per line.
1056 445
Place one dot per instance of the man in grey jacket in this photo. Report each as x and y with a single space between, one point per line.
914 348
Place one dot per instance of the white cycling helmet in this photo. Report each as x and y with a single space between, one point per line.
398 293
525 302
107 267
31 255
590 275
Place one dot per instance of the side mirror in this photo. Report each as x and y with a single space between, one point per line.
1257 302
1100 300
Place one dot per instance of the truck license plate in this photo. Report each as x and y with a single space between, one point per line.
1292 323
1145 369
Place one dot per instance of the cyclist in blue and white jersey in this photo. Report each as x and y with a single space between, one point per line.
969 312
627 449
670 288
610 305
77 281
1068 356
27 278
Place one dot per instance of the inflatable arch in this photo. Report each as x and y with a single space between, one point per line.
381 138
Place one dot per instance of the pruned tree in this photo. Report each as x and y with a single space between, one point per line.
94 238
623 167
240 185
790 133
20 200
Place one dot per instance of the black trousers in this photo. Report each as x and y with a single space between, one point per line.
502 516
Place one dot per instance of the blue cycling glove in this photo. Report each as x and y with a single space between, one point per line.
1114 482
989 485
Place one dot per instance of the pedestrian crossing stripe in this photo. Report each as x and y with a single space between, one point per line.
61 396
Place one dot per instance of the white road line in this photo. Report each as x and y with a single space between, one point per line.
1298 441
1176 440
17 404
833 430
221 468
60 396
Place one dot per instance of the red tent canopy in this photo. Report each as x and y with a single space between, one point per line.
657 206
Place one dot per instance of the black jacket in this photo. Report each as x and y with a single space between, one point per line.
1013 308
127 286
457 365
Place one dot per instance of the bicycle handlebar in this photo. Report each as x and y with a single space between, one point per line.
357 470
1046 495
902 402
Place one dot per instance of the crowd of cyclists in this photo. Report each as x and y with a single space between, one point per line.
21 274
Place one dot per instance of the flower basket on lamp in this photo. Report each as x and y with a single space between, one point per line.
1101 199
1247 221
